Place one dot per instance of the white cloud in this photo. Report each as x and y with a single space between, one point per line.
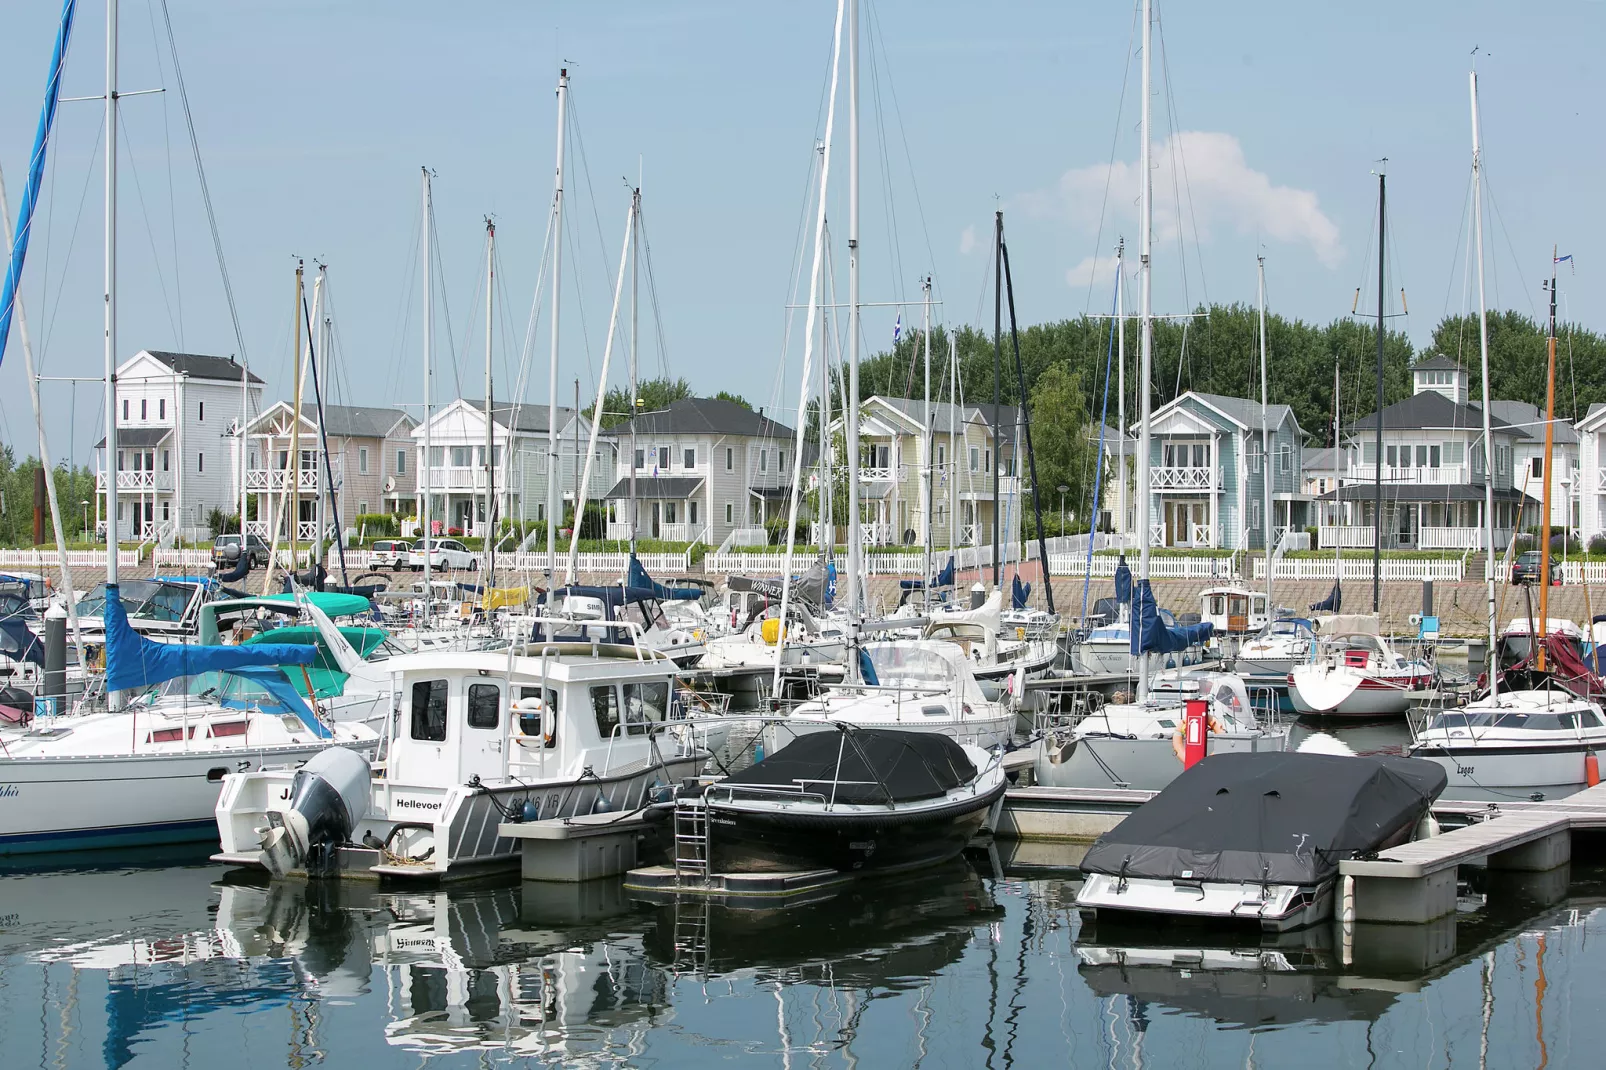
1216 186
967 241
1094 271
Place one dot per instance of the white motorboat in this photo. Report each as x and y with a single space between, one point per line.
550 730
1528 744
921 685
994 660
1132 745
1276 648
1355 672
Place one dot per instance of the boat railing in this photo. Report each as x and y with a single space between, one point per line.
1266 704
794 792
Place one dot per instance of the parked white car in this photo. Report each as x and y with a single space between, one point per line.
390 553
443 554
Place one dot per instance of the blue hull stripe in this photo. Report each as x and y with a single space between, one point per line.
109 836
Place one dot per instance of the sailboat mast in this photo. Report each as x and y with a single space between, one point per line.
293 514
320 369
930 435
1377 469
1120 400
554 500
635 352
855 529
1145 336
996 421
109 267
1269 528
1550 442
490 426
953 445
1338 490
424 532
1483 354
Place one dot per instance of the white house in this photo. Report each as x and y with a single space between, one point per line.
456 476
1528 463
178 417
1432 471
1591 482
705 469
1206 472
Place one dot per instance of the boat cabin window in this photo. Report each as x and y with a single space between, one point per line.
645 703
429 711
484 705
1218 605
605 704
530 719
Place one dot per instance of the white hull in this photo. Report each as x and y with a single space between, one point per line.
71 803
1139 764
1513 774
1344 693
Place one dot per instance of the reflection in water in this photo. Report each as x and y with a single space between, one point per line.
176 965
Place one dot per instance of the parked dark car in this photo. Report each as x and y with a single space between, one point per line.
226 551
1525 570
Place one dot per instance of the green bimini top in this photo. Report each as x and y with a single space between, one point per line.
327 679
332 603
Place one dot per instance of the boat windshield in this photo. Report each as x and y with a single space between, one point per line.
143 599
1296 629
1557 721
231 691
898 665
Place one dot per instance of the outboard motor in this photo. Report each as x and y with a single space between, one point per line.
327 797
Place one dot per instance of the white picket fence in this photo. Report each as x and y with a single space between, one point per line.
183 558
1395 570
1076 566
41 559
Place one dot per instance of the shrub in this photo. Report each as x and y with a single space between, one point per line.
1597 546
454 531
221 522
378 525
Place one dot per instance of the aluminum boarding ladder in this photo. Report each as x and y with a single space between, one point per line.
691 839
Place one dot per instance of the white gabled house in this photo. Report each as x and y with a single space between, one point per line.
1206 472
178 418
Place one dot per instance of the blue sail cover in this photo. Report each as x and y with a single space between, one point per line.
1151 635
1332 603
18 643
830 583
945 578
636 576
1123 582
1018 593
132 661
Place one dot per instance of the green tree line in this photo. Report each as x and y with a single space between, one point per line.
17 482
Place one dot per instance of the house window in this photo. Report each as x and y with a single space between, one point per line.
1254 514
437 456
669 512
282 459
1285 457
167 512
975 459
166 459
484 705
1433 456
730 512
362 461
1454 452
763 460
540 512
200 462
161 408
987 456
401 462
1421 456
1392 453
125 410
691 513
362 508
641 459
1539 468
780 460
429 711
942 456
462 456
1254 455
142 412
758 514
689 457
200 412
730 459
663 458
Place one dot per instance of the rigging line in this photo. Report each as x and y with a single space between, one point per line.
533 324
652 296
72 241
446 305
1179 169
1109 168
579 295
404 311
591 196
903 134
1462 231
167 151
1494 205
206 192
145 215
895 260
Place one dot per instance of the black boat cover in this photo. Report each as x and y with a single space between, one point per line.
1274 818
876 766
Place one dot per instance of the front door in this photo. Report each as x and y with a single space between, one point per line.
657 515
483 732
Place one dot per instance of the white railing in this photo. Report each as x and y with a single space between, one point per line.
749 537
887 474
461 479
591 563
176 558
1180 478
1444 475
137 481
270 479
1395 570
875 534
1289 540
1157 535
1450 538
1201 535
1575 572
40 559
911 563
677 532
1163 567
1346 536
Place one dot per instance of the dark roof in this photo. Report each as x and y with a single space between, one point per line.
137 436
707 416
1431 409
672 487
355 421
201 366
1006 418
1318 462
1528 419
531 415
1437 362
1244 410
1364 490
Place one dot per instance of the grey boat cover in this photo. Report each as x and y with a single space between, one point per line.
1270 818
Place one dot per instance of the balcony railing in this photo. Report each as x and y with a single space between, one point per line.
1180 478
878 474
462 479
1444 475
275 479
1348 536
137 482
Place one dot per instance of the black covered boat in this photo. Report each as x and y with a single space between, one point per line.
1257 837
854 800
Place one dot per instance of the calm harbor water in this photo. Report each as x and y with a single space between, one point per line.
162 961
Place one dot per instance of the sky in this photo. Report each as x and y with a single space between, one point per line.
315 118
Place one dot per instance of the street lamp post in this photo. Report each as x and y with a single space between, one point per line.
1062 488
85 505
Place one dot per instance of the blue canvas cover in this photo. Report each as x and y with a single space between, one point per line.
132 661
273 680
1019 593
1123 582
20 644
945 578
1332 603
636 576
1151 635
